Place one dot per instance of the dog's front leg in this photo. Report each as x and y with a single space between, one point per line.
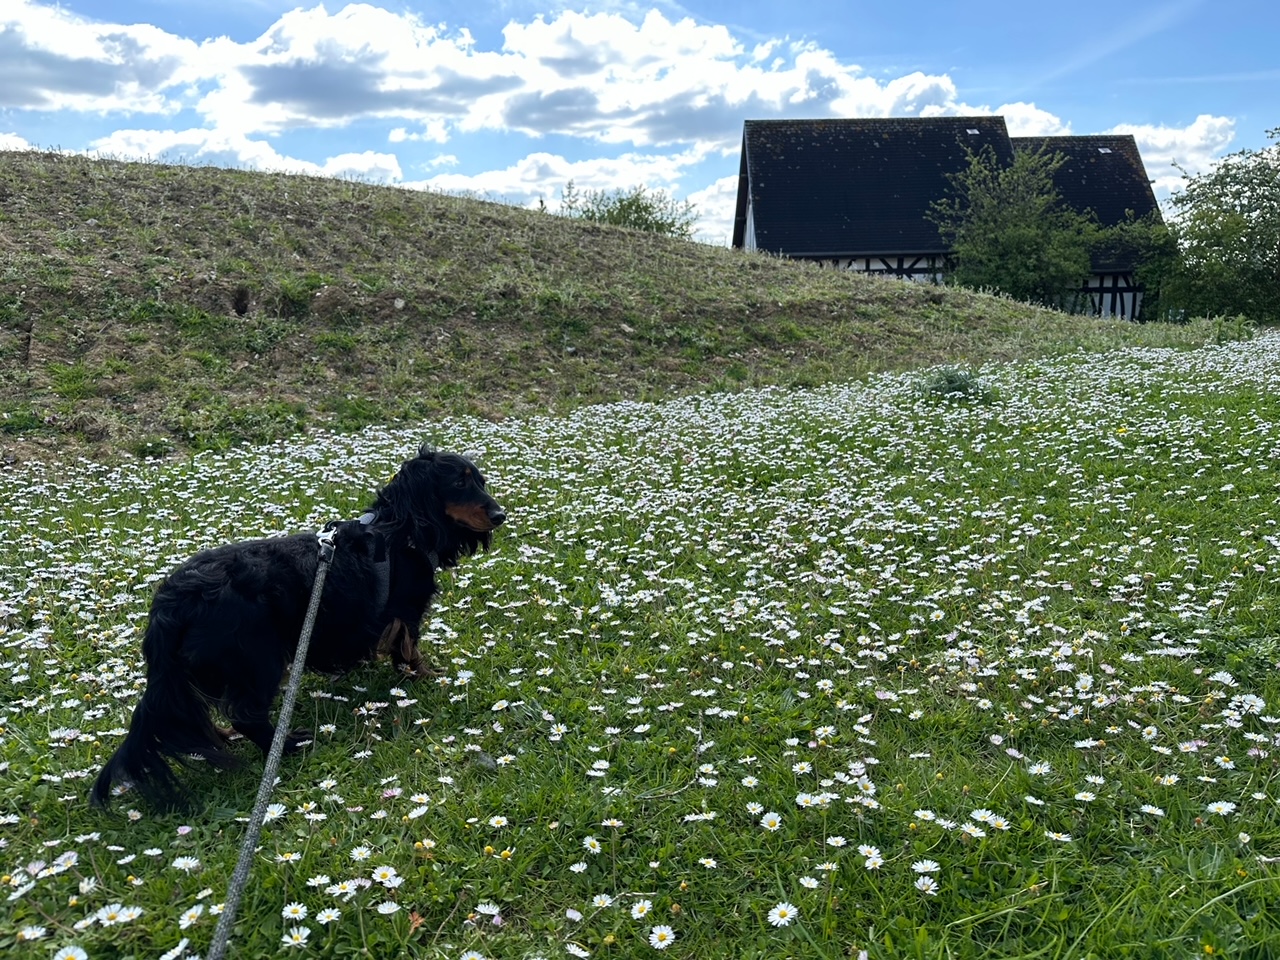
401 643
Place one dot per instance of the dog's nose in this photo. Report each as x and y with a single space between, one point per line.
496 517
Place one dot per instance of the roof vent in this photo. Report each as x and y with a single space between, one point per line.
1104 149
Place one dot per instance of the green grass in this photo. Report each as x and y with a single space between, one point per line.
241 285
955 624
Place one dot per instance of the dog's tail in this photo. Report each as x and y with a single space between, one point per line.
171 721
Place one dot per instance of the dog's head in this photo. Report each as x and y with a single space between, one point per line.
442 499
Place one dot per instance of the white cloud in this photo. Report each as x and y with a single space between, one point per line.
916 94
606 78
433 130
1028 120
221 148
542 176
1021 119
11 141
1194 147
54 60
595 76
366 165
317 69
715 207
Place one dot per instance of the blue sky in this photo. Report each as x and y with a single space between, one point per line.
512 100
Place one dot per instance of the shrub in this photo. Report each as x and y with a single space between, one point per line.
638 208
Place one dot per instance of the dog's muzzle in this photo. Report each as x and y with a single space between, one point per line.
477 516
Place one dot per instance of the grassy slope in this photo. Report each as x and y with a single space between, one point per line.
146 307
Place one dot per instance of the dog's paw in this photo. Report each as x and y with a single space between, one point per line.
421 668
297 738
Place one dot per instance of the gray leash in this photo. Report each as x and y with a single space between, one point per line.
222 933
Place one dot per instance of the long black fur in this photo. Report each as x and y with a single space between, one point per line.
224 625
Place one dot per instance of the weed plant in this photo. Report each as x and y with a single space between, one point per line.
957 385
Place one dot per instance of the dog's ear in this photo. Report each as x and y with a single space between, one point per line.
411 502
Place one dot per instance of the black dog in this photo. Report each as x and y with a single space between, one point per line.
225 625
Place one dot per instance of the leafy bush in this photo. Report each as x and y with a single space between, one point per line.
954 384
638 208
1228 231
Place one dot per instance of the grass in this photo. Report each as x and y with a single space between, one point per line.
129 292
924 670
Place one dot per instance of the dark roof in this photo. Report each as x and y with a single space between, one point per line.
854 187
1101 173
851 188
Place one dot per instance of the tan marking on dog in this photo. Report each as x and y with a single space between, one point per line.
473 516
398 643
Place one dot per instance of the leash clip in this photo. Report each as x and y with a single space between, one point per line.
325 539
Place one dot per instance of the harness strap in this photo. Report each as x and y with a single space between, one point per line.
367 519
381 565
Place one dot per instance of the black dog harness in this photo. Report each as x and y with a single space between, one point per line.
382 562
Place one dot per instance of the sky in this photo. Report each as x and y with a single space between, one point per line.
512 100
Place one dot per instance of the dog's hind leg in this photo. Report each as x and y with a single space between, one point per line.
258 728
247 704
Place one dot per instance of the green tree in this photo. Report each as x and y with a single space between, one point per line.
1227 224
1149 243
639 208
1010 231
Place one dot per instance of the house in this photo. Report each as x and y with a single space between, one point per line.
855 194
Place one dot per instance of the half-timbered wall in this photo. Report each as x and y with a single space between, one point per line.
1109 294
925 268
1114 295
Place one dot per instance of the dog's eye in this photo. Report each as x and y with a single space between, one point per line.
460 483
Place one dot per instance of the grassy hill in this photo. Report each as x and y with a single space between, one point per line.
148 308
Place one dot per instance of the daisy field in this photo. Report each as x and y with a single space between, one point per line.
874 667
